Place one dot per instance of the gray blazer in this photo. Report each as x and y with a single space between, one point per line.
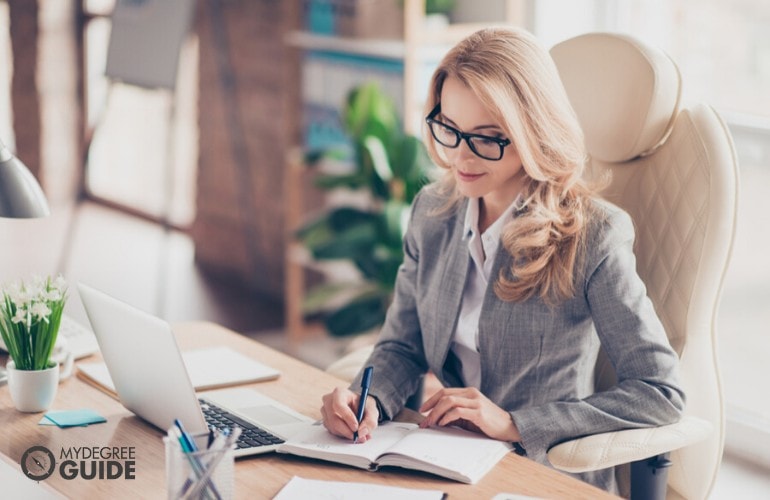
537 361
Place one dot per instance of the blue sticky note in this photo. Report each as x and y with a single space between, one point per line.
45 421
72 418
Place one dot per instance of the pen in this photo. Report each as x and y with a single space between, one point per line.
224 442
189 447
229 444
365 383
188 442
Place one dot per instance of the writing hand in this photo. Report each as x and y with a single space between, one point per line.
468 408
339 414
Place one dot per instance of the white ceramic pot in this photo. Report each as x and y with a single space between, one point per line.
32 390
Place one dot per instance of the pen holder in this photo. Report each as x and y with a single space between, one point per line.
204 474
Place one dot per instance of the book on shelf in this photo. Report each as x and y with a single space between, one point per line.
449 452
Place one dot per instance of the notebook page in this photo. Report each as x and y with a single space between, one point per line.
317 442
465 453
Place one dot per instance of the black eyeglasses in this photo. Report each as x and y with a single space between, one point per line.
483 146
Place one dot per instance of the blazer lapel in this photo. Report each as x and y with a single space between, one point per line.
450 291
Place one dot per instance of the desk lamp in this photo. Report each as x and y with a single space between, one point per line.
20 196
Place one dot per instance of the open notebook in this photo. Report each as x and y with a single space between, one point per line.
447 451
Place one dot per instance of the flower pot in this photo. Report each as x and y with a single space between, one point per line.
32 390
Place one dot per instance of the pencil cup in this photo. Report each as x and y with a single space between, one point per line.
204 474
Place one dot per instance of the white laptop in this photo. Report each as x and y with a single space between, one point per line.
150 379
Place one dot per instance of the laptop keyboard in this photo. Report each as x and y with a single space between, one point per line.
252 436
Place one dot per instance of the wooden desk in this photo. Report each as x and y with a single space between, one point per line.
300 387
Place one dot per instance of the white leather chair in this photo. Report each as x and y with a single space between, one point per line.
674 169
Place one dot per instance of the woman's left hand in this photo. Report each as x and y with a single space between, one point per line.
468 408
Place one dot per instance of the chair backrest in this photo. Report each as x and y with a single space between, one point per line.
674 170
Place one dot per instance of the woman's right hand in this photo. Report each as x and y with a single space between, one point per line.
339 414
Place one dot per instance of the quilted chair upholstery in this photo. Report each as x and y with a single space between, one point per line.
674 169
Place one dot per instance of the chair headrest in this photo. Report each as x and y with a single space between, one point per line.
625 93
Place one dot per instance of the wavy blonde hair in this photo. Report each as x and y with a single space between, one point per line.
517 82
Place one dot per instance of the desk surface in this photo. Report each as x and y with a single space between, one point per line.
300 386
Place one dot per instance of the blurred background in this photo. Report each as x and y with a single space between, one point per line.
171 138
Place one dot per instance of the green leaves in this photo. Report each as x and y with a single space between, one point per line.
30 315
391 167
369 112
342 233
359 315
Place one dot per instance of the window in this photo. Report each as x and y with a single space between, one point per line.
143 153
723 52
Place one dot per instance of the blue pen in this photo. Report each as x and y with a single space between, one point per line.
188 446
365 383
188 441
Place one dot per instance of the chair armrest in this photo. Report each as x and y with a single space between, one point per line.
600 451
348 366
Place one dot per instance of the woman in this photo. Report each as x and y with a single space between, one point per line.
514 273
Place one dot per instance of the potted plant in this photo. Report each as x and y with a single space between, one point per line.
439 6
437 12
389 167
30 315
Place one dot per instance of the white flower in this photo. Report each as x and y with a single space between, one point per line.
29 306
59 283
19 296
41 311
21 315
36 288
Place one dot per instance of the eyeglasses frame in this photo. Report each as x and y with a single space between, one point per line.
431 119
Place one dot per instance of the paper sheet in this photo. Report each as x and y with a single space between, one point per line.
301 489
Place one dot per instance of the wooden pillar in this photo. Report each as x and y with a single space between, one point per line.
239 225
25 102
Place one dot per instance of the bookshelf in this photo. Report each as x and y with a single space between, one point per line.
326 67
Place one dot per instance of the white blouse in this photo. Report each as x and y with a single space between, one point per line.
482 249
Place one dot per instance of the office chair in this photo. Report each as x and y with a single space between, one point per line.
348 366
674 170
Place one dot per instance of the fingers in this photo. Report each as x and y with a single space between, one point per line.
338 412
463 392
458 416
369 422
431 402
451 406
471 410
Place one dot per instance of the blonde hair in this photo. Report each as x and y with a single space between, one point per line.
517 82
